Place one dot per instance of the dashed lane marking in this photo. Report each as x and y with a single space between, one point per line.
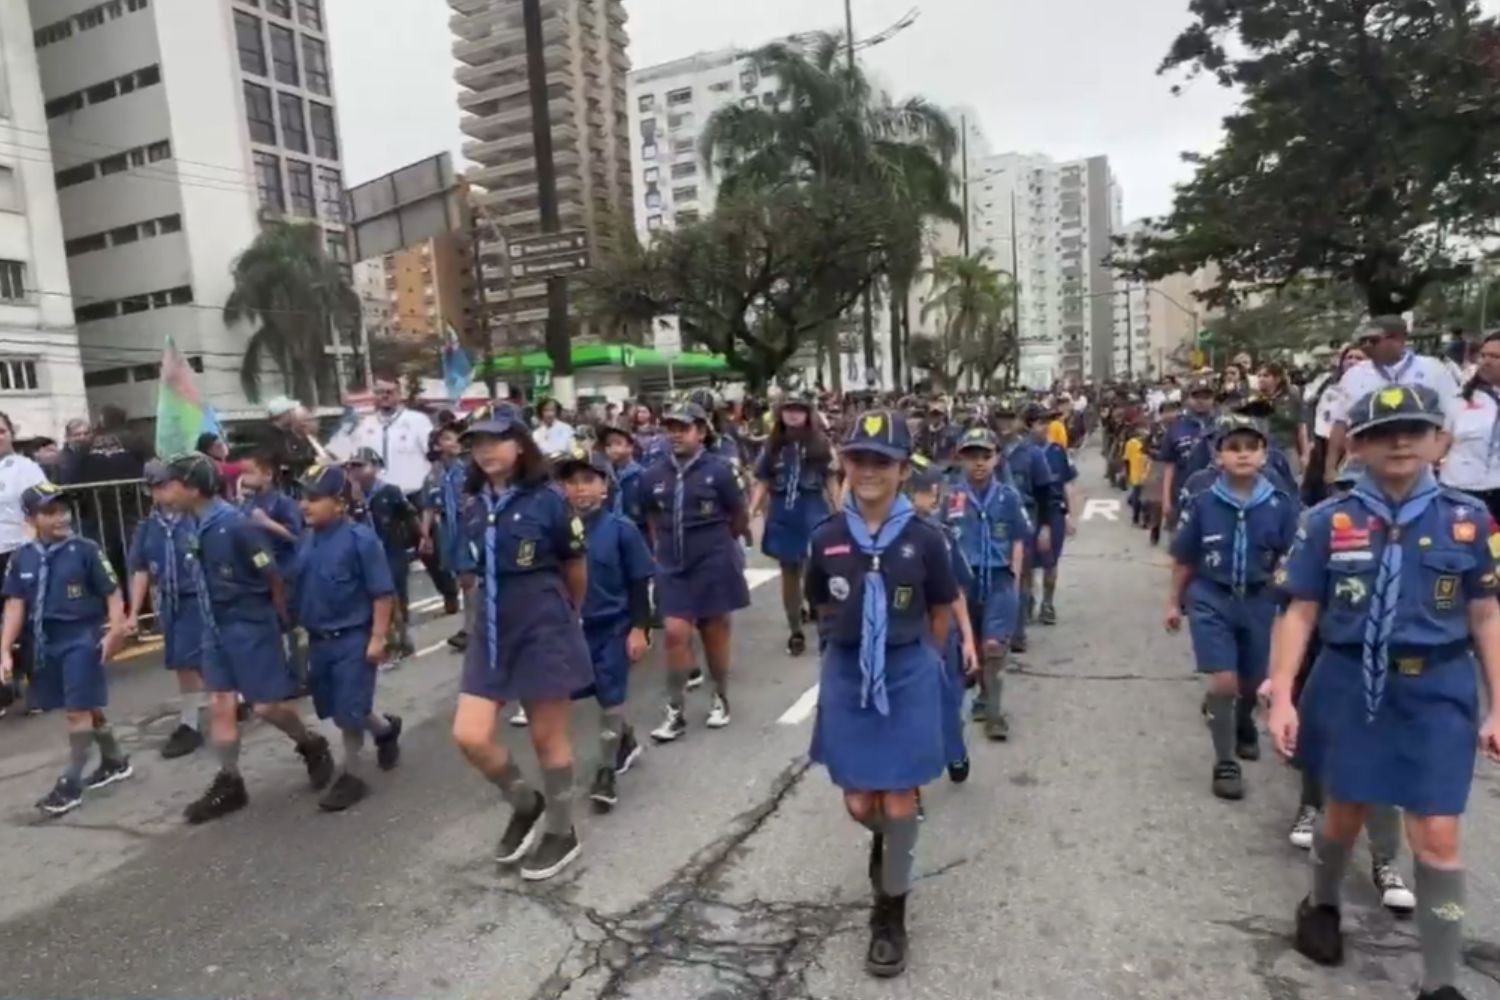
801 709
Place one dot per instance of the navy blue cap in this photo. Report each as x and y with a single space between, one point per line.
924 475
1034 413
364 456
496 421
880 432
1396 404
155 473
687 413
1198 384
34 498
979 437
1239 423
196 471
566 464
322 481
612 427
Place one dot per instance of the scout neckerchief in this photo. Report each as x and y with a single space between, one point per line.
791 462
167 585
617 479
1396 373
874 615
217 511
385 434
449 478
44 552
981 507
494 505
679 498
1260 493
1387 594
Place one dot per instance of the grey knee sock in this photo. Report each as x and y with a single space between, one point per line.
558 782
513 788
994 683
377 724
1329 860
676 687
1440 923
874 822
229 756
1221 725
1049 590
109 746
1312 789
900 854
792 606
1383 826
354 746
289 722
80 742
611 730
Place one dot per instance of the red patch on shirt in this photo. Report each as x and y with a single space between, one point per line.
837 550
956 502
1348 539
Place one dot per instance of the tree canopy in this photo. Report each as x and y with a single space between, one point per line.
1366 149
974 307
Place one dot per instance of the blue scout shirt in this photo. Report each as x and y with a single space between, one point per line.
918 578
984 523
617 558
711 499
1279 475
387 511
535 532
1277 468
284 511
1181 436
1029 469
149 548
963 574
337 574
624 492
443 493
793 470
235 558
1063 472
79 578
1449 559
1207 537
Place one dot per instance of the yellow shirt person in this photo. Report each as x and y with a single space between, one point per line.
1057 433
1136 463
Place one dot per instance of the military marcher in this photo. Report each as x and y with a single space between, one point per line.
1399 580
63 589
882 585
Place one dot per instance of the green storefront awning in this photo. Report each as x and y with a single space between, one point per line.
602 356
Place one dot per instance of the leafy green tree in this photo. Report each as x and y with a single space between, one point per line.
1365 151
973 301
291 292
1300 316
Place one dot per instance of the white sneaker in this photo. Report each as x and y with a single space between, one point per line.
1394 895
1302 830
519 720
718 715
673 726
695 679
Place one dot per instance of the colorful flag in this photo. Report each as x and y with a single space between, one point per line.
457 371
181 415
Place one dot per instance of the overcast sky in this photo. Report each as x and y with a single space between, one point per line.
1067 78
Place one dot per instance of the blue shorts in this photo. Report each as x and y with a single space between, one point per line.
341 679
1230 634
182 634
606 643
71 675
996 617
249 658
1057 526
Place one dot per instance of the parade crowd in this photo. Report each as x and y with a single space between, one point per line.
1333 545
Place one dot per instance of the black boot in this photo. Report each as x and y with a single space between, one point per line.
1318 934
887 954
877 857
319 761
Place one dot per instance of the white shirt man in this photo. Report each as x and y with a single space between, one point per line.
554 438
398 435
17 474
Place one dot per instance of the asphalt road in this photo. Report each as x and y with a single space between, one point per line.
1084 859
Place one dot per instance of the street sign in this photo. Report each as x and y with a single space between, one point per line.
1205 337
666 335
551 267
541 379
549 245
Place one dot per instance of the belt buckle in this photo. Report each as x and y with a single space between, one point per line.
1238 591
1410 666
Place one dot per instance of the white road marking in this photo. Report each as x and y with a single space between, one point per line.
1108 510
756 577
801 709
431 649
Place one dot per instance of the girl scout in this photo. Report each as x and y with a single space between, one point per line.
793 475
1399 580
695 515
442 511
1227 545
63 589
1032 478
1060 522
344 597
883 588
526 551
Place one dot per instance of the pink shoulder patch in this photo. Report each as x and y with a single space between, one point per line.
837 550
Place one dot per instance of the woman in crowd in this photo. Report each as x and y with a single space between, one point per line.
1473 461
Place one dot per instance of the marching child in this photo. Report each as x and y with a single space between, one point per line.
442 513
385 509
63 589
624 496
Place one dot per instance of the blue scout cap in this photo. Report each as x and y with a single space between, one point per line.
364 456
41 495
496 421
1034 413
196 471
155 473
924 475
613 427
1239 423
1396 404
1004 407
978 437
687 413
880 432
566 464
323 481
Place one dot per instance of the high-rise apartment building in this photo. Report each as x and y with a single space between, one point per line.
431 287
41 379
1164 319
584 51
178 127
1053 223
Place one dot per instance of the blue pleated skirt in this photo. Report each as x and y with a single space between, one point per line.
865 751
788 532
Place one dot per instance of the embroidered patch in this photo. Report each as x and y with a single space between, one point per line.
1445 593
1280 578
1342 521
75 591
908 551
706 508
1356 555
1465 531
260 560
839 588
874 423
902 599
1424 542
1343 541
837 550
526 554
1351 591
1214 559
956 503
999 531
576 527
1495 546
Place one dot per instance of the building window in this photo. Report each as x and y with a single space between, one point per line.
721 87
86 244
687 218
252 47
653 198
148 77
268 182
300 187
258 114
135 304
18 375
680 121
338 249
648 151
688 193
681 170
114 165
647 102
653 223
80 174
310 14
315 62
648 129
103 376
293 124
281 8
679 97
59 106
169 224
284 55
331 194
650 175
12 281
159 151
101 92
680 146
325 131
124 234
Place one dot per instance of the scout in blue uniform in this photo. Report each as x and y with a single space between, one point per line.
960 652
616 613
1032 478
526 551
442 517
158 561
1225 553
242 600
1177 445
1060 523
991 530
343 595
793 477
386 510
624 496
63 590
1399 579
269 509
883 588
695 515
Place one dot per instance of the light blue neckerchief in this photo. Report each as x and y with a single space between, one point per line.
450 476
495 504
679 498
793 469
981 508
216 512
875 617
45 553
1387 595
1259 494
1396 374
168 586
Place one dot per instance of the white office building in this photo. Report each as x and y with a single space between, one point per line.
1052 223
177 128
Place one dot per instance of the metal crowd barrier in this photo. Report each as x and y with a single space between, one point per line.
107 513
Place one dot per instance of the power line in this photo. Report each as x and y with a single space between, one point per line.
142 173
55 142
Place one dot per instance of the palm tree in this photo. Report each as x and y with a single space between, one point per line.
975 308
290 290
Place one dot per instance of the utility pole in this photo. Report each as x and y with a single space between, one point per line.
559 349
963 125
849 32
481 300
867 305
1015 283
